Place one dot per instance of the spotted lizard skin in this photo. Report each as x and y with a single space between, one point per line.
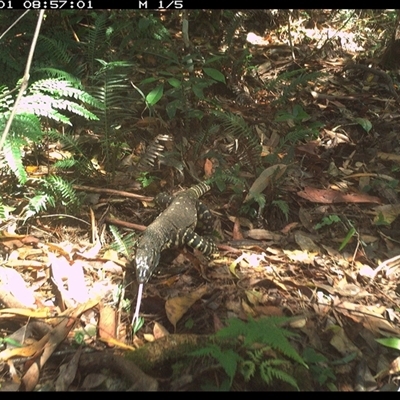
175 227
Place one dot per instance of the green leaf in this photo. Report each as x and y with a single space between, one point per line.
172 107
215 74
393 343
148 80
365 123
155 95
174 82
198 90
349 235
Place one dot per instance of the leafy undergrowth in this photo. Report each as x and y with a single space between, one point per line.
302 153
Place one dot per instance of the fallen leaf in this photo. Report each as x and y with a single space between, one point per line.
263 234
386 213
329 196
236 232
178 306
265 179
159 331
68 372
306 243
107 322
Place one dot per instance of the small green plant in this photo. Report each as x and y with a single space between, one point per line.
123 245
260 346
145 179
52 191
320 368
289 83
326 221
177 90
283 207
298 119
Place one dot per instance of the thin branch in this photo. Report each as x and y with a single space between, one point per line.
25 79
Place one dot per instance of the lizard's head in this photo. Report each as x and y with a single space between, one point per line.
146 260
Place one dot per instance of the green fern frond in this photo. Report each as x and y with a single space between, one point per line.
65 164
264 330
283 207
38 204
228 358
235 126
60 74
13 156
60 88
269 372
247 369
62 190
222 177
53 191
5 211
47 96
96 40
58 49
78 160
123 245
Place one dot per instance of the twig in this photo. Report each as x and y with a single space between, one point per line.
131 225
113 191
25 79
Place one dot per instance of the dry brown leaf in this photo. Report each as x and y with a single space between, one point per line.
329 196
25 264
247 309
11 281
264 180
369 316
44 312
263 234
208 168
107 322
342 343
388 213
159 331
269 311
236 232
243 221
68 372
388 156
306 243
149 337
178 306
45 347
300 256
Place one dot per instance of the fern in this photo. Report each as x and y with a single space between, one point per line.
47 96
62 190
96 41
111 86
269 372
283 206
52 191
228 359
59 74
57 49
13 156
37 204
238 128
123 245
245 337
5 211
265 330
297 78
